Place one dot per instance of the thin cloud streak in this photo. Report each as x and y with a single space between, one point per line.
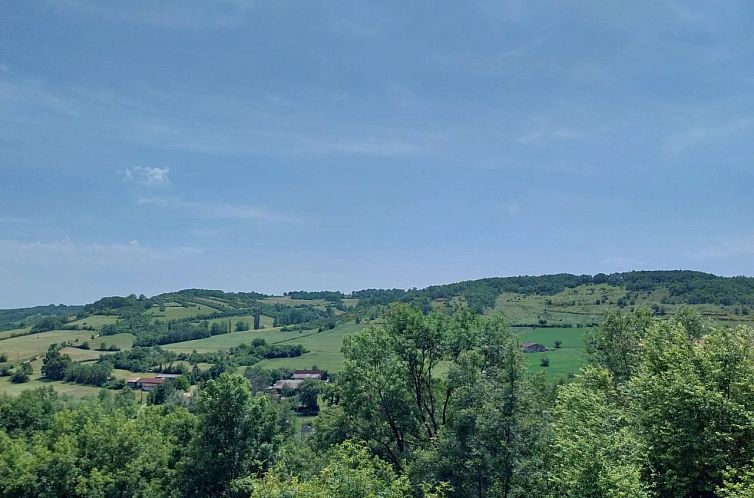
220 211
148 176
67 251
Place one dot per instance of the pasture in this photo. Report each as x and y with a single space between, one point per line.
36 381
95 321
324 349
565 360
5 334
179 312
32 345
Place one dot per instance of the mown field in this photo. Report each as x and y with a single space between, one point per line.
36 380
95 321
32 345
180 312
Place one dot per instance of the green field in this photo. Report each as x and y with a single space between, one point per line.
96 321
75 390
5 334
32 345
123 340
78 354
324 349
225 341
567 359
587 304
179 312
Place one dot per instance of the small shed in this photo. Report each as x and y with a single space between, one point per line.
533 347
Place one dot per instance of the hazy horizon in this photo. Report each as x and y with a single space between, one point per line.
274 147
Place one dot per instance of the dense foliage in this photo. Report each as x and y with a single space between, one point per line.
427 405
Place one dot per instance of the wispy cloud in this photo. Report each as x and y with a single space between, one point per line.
68 251
149 176
219 211
729 249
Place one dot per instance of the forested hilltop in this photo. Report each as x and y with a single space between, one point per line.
720 296
634 384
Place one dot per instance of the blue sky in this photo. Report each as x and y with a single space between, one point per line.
272 146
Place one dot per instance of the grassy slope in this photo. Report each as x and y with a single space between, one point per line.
96 321
578 306
324 347
75 390
32 345
14 332
178 312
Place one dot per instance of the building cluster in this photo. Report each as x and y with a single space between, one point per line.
149 383
294 383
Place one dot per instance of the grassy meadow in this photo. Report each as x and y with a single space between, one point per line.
180 312
32 345
564 360
36 381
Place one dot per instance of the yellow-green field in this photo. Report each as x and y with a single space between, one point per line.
32 345
124 340
78 354
587 304
14 332
95 321
179 312
324 349
64 388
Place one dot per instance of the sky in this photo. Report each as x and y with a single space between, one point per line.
282 145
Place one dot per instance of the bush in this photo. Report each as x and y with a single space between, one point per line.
544 362
21 374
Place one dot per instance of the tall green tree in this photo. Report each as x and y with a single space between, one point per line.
237 436
55 363
616 344
597 452
693 404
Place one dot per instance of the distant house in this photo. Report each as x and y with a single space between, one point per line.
307 374
278 386
146 383
533 347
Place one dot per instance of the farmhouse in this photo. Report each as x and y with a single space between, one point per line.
533 347
307 374
145 383
278 386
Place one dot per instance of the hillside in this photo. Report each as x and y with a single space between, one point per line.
306 328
